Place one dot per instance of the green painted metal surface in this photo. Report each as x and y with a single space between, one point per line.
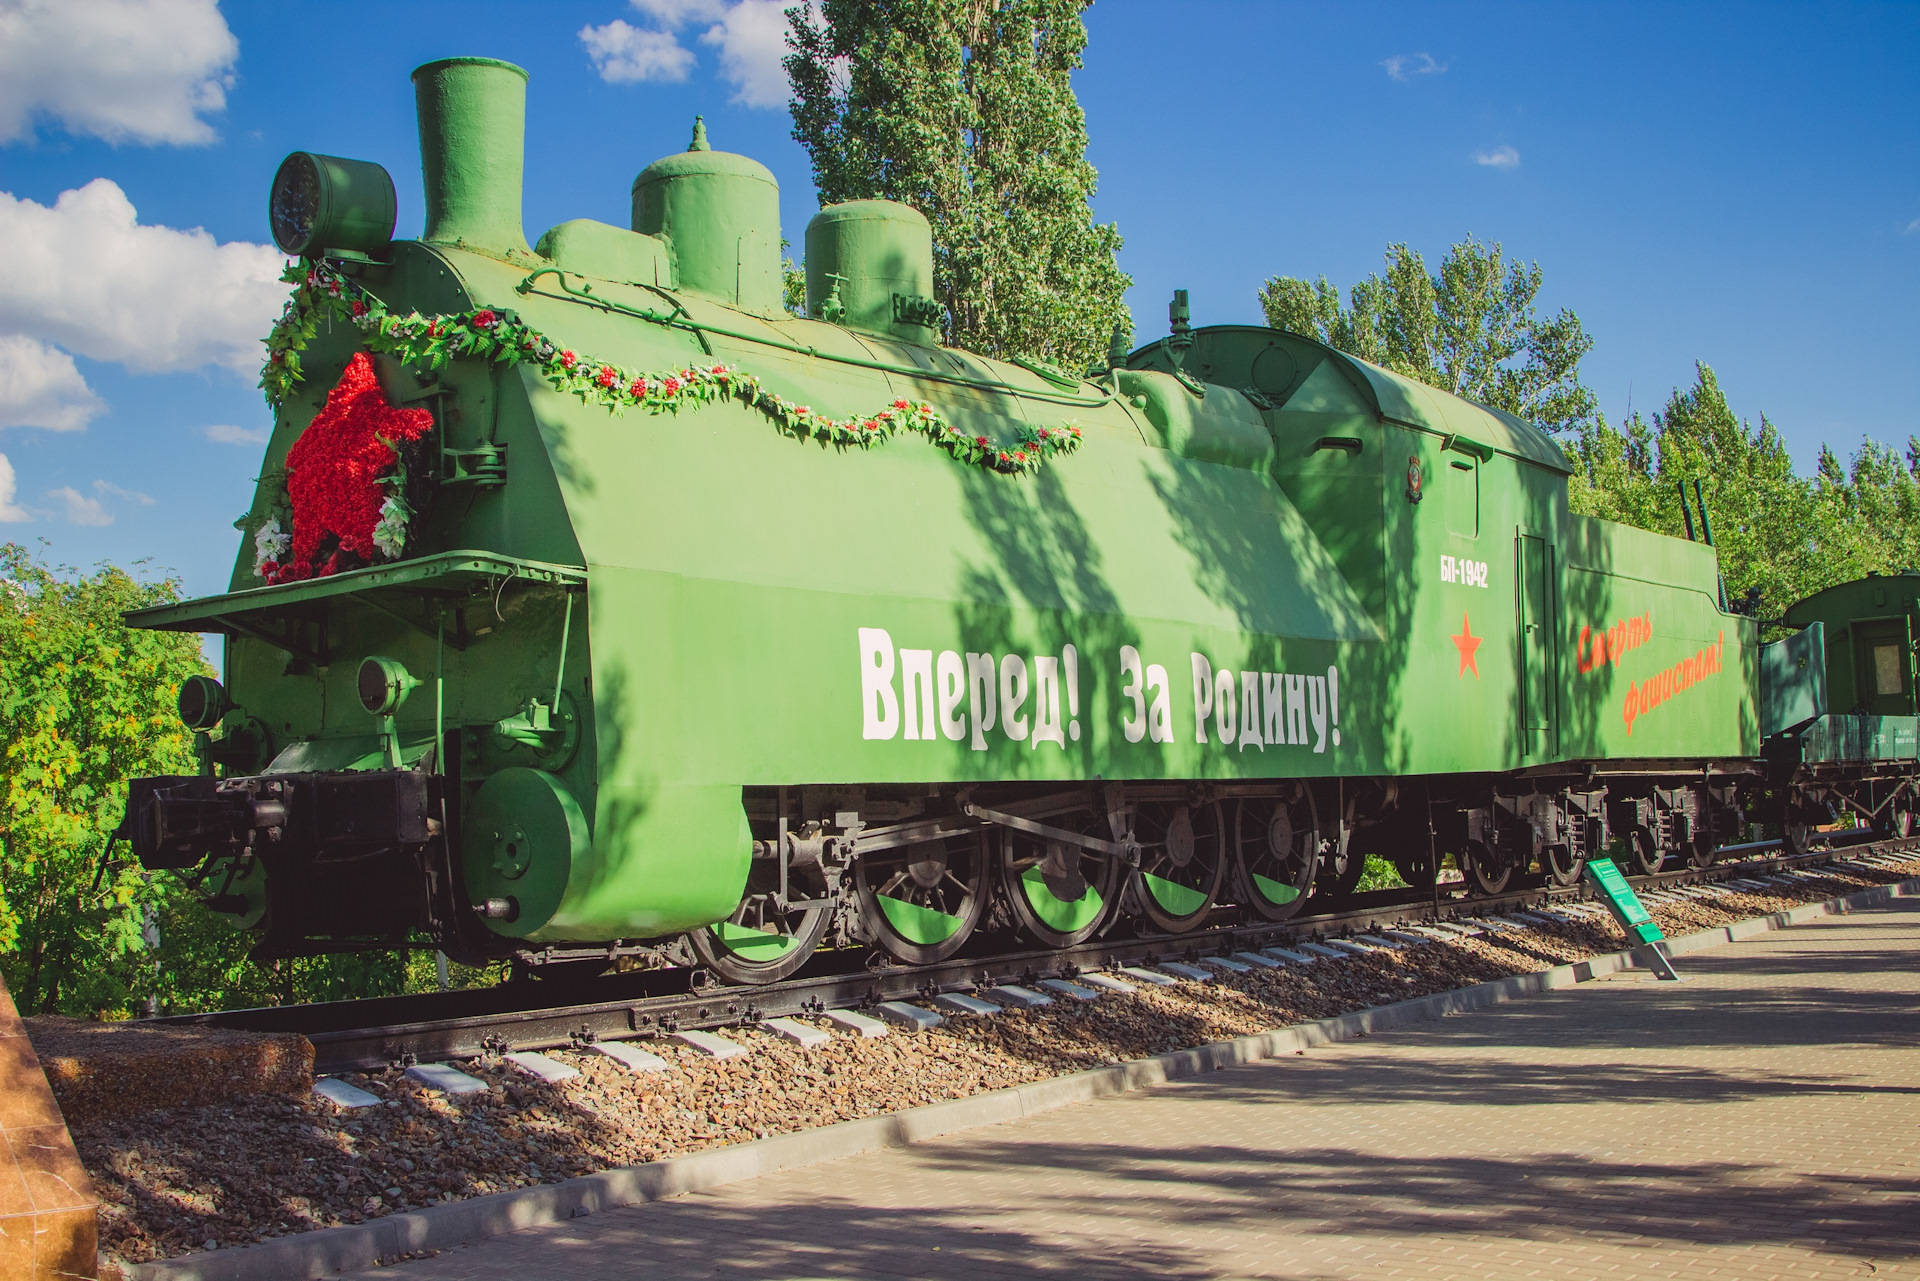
1062 915
1177 899
1272 890
759 946
473 114
918 924
870 264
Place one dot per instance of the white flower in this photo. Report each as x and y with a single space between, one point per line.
270 545
390 535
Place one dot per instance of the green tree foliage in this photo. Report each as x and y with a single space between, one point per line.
963 109
87 703
1787 535
1472 328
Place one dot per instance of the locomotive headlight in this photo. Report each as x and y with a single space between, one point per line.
321 203
384 684
203 701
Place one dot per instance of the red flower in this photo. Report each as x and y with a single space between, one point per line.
568 360
981 441
334 470
901 404
1020 455
485 320
606 376
719 369
671 386
639 388
359 308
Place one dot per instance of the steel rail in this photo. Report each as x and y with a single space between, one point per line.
375 1032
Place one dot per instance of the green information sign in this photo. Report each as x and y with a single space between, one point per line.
1628 910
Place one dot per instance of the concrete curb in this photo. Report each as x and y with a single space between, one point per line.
329 1251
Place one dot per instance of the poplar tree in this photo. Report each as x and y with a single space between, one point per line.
964 110
1471 328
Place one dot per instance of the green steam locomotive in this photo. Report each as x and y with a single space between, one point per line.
593 605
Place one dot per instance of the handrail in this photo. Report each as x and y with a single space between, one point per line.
680 318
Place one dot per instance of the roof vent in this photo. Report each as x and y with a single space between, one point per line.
719 214
870 267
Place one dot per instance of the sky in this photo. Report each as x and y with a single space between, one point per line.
1737 184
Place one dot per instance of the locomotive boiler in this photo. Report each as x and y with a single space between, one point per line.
593 605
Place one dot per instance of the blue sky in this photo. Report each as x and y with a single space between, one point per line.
1738 184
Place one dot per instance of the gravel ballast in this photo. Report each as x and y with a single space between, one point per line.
180 1179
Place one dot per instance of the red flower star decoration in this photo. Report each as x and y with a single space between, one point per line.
334 470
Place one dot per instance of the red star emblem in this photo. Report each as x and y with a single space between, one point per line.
1468 644
335 468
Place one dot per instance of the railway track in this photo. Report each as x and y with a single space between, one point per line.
376 1032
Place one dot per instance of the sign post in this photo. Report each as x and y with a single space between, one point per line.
1627 909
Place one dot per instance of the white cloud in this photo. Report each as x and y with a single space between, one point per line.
677 13
40 387
131 495
81 510
1405 66
1499 158
1913 226
228 434
9 514
87 275
123 70
624 54
750 35
752 39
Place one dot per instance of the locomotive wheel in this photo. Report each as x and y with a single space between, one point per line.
1561 865
1059 893
1183 863
1485 875
1644 857
760 943
921 902
1796 838
1898 825
1276 848
1699 852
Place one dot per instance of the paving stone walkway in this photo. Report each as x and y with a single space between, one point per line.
1761 1120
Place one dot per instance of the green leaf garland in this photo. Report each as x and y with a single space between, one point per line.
322 293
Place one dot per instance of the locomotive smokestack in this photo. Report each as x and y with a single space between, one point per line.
473 126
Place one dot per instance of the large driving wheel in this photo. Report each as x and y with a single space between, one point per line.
1059 893
762 942
1183 861
920 902
1276 847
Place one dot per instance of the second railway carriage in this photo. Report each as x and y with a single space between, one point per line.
591 604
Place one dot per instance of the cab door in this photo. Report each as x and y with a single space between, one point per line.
1534 562
1883 666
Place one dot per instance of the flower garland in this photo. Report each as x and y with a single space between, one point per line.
322 293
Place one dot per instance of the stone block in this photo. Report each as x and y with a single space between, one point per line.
804 1035
715 1047
856 1022
547 1069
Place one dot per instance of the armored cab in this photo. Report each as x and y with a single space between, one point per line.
1840 691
